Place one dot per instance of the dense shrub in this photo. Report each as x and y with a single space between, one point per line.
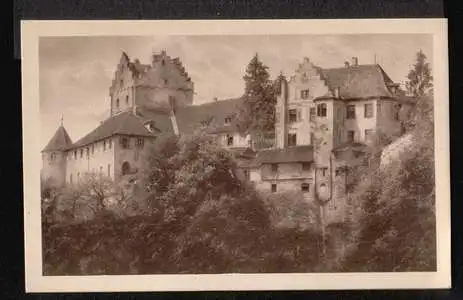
394 230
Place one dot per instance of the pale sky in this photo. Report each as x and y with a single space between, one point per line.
76 72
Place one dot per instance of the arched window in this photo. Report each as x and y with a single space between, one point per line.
125 168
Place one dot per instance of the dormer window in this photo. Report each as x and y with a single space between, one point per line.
150 126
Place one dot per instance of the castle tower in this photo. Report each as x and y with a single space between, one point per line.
156 85
281 113
54 157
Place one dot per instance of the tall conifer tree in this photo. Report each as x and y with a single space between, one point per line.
419 77
258 112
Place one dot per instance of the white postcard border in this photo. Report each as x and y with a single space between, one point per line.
35 282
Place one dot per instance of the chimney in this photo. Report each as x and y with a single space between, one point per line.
346 64
355 61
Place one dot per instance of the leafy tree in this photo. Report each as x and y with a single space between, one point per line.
258 113
419 77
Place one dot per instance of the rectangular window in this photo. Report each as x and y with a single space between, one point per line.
140 143
109 170
228 120
350 136
125 143
324 171
229 140
350 112
305 187
292 116
313 113
321 110
104 145
368 134
274 168
75 154
292 139
247 175
110 144
127 99
305 166
305 94
274 187
312 138
368 110
136 155
397 112
101 169
93 149
88 151
81 153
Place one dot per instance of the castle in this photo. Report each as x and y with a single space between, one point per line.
324 120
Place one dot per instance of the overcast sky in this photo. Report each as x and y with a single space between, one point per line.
76 72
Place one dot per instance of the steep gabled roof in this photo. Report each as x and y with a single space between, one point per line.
125 123
190 118
357 82
60 141
287 155
159 116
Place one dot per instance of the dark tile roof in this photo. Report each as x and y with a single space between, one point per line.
60 141
125 123
191 118
290 154
357 82
355 146
160 117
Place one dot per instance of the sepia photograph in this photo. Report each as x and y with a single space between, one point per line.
241 153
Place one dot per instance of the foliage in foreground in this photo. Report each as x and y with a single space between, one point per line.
201 219
394 229
198 217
